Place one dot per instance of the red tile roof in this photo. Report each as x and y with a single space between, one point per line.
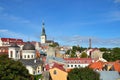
13 40
54 65
78 60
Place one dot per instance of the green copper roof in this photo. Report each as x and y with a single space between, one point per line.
43 30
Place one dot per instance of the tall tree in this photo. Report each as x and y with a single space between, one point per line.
83 74
12 70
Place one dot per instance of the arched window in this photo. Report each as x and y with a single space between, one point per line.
68 65
11 54
28 56
24 56
31 56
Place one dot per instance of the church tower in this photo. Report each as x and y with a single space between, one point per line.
43 35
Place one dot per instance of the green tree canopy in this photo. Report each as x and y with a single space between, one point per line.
112 55
54 44
103 49
12 70
84 55
83 74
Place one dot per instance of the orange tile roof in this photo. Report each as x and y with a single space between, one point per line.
97 65
117 66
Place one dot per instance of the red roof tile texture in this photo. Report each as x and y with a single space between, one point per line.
54 65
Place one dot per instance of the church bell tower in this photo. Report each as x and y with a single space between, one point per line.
43 34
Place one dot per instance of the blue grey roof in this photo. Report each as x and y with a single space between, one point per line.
41 52
31 62
56 59
109 75
28 46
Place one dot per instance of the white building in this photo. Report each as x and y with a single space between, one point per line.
27 56
77 62
94 53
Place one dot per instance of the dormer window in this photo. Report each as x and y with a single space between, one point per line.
55 72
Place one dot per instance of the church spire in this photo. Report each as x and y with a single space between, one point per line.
43 34
43 29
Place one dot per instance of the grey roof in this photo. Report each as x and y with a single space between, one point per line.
14 45
49 41
109 75
28 46
41 52
31 62
55 59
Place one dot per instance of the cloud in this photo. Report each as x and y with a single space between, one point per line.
13 18
11 34
1 8
114 16
108 17
117 1
84 41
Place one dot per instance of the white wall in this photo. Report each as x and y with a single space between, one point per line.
30 53
15 53
43 39
30 69
34 71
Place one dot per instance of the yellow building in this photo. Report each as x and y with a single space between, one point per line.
57 74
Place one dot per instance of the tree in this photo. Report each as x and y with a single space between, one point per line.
103 49
84 55
54 44
68 51
112 55
83 74
12 70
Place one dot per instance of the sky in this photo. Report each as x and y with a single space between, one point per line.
68 22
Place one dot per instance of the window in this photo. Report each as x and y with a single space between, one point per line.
28 56
71 65
24 56
31 56
55 72
38 71
11 54
16 54
33 72
75 65
78 65
67 65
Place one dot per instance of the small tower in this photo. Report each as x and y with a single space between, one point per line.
90 43
14 51
43 35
